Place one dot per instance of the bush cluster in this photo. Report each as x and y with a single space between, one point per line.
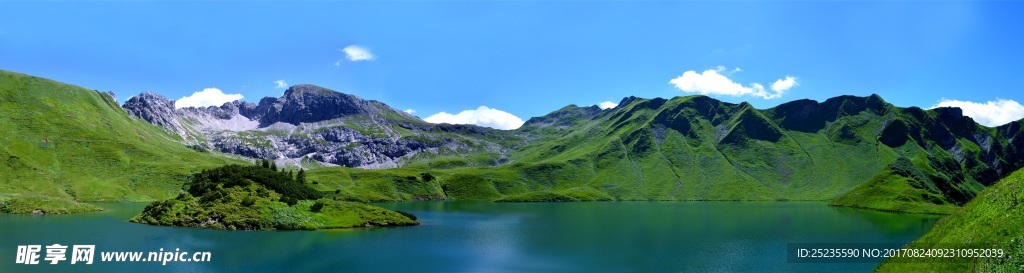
207 181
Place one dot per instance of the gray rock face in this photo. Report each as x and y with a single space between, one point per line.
311 122
310 103
155 109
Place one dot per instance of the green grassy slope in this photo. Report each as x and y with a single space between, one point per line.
887 191
698 148
995 219
62 144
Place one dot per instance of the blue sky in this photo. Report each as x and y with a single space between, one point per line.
527 58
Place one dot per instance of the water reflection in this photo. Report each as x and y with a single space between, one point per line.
482 236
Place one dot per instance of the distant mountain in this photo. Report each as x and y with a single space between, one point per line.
68 142
697 148
856 151
321 126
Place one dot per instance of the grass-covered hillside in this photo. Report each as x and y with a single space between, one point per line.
861 151
262 198
995 220
66 144
897 189
63 144
698 148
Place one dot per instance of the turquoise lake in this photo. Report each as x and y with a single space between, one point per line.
466 236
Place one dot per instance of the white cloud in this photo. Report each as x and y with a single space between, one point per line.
482 116
712 82
208 97
410 111
990 113
783 85
280 84
734 70
357 53
607 105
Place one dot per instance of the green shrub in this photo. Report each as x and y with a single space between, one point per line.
316 207
289 200
248 201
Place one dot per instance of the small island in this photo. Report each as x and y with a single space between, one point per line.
261 197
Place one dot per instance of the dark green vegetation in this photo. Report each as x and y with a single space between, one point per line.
61 145
261 198
995 219
208 182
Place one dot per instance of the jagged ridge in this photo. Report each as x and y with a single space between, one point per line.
320 125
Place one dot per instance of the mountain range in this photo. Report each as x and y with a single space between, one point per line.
67 142
317 124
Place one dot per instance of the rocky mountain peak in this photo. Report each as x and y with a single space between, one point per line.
308 90
311 103
566 116
112 95
625 101
309 122
154 108
150 96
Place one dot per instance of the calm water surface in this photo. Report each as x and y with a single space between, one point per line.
464 236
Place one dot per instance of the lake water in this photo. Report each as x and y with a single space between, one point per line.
463 236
